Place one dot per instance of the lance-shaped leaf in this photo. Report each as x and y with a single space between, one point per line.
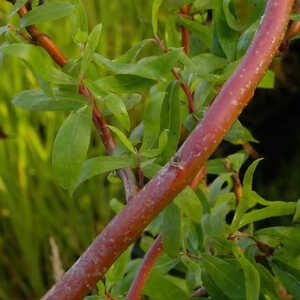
79 22
49 11
38 100
116 105
230 17
227 275
239 134
70 147
154 67
251 275
171 230
103 164
170 120
92 43
132 53
155 10
123 138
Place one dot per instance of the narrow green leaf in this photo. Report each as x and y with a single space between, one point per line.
57 76
227 37
38 100
268 212
215 166
171 230
251 275
295 17
155 10
49 11
103 164
215 189
239 134
268 81
201 31
123 138
92 44
162 143
116 105
152 120
124 83
188 201
290 282
132 53
3 29
170 120
227 276
70 147
230 18
79 22
296 218
153 67
117 271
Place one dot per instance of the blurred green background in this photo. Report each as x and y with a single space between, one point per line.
33 208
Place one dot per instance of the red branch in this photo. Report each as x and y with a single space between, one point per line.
154 252
126 227
184 31
41 39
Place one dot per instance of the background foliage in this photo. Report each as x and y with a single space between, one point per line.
34 208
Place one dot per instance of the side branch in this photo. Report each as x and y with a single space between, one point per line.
142 209
41 39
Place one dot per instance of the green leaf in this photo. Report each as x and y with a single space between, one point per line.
230 18
117 271
227 276
16 7
290 282
57 76
246 38
245 202
227 37
103 164
237 159
213 290
268 212
123 138
162 143
132 53
268 81
170 120
49 11
3 29
201 31
116 205
153 67
171 230
92 44
152 120
251 275
215 189
70 147
215 166
296 218
116 105
189 203
295 17
277 236
155 10
38 100
79 22
268 285
124 83
239 134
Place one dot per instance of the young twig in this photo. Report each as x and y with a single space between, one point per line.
236 179
41 39
184 31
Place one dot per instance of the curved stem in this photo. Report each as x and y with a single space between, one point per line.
153 254
127 226
184 31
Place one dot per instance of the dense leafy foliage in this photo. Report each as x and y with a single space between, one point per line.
211 238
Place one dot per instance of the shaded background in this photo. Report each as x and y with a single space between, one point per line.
33 208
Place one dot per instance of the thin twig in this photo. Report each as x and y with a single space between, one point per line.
41 39
184 31
236 179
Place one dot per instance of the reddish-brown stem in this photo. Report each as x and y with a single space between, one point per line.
153 254
184 31
251 151
184 87
41 39
127 226
236 180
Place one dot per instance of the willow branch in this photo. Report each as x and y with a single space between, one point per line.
184 31
41 39
127 226
153 254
